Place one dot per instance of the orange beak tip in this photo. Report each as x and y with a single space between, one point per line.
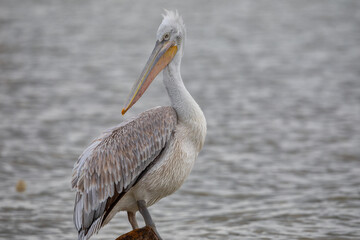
123 111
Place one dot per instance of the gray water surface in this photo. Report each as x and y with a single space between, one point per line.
278 81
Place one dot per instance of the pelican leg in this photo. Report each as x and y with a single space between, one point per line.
132 220
147 218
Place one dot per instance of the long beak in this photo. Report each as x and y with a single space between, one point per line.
160 57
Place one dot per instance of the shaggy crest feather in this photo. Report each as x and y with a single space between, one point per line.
173 16
173 19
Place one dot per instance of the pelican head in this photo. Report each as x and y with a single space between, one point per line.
173 27
168 48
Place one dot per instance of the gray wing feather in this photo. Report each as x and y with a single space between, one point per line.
114 161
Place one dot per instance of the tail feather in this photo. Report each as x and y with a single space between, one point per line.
85 234
87 223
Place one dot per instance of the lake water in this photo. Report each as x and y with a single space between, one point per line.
278 81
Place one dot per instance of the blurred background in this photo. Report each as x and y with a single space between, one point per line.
278 82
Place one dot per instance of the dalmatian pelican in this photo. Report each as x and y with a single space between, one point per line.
135 164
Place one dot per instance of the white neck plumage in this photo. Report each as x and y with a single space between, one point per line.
188 111
181 100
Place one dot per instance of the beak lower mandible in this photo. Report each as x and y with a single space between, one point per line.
160 57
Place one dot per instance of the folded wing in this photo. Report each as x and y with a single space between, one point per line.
114 162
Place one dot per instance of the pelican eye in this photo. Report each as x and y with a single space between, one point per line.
166 36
